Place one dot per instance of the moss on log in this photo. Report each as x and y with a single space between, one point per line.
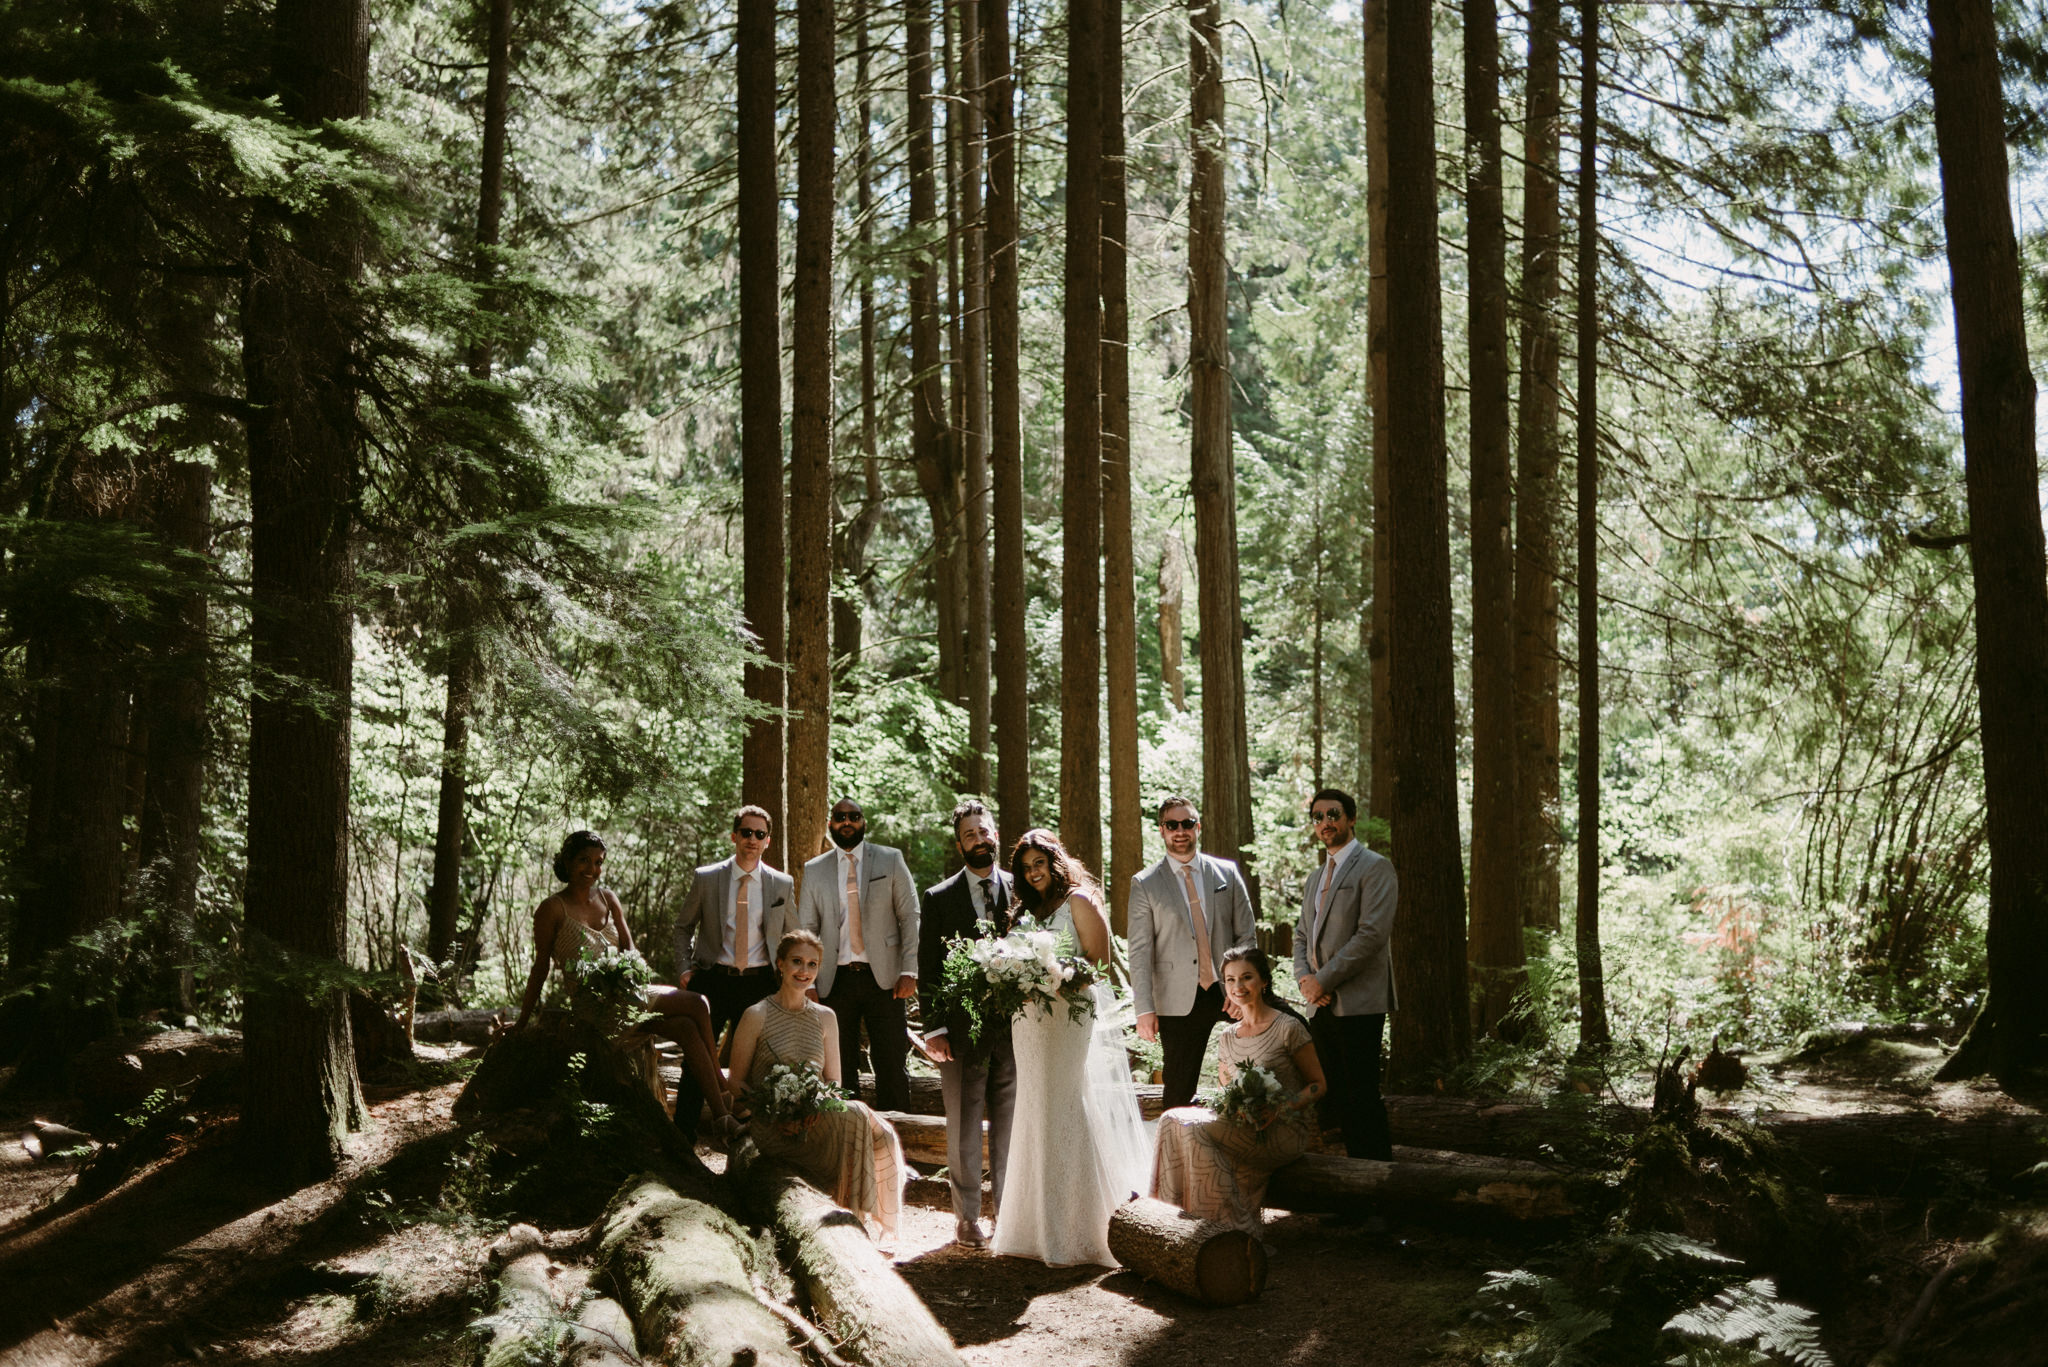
854 1292
686 1273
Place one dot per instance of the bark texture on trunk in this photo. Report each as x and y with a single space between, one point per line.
174 789
1204 1260
1536 493
1119 558
1593 1031
1006 445
974 397
810 464
1432 1028
1380 551
444 893
1081 414
2002 475
850 542
761 527
1173 566
304 445
1226 769
1496 914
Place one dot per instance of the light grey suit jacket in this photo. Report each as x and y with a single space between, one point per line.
1357 926
888 911
1164 973
700 925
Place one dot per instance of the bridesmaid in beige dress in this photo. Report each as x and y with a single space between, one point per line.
853 1155
1217 1169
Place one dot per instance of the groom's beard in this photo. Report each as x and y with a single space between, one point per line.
981 858
846 839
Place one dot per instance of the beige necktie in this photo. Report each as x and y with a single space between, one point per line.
1206 961
1315 940
740 918
853 907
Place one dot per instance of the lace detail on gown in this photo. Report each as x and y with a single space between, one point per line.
1077 1147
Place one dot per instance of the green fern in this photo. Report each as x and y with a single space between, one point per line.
1752 1319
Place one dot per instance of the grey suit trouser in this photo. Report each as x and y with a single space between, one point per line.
972 1091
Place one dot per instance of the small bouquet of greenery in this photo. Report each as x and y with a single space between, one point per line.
792 1098
1253 1098
991 980
611 987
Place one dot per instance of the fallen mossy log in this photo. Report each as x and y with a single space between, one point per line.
686 1273
526 1322
1330 1182
1862 1152
1204 1260
855 1294
602 1336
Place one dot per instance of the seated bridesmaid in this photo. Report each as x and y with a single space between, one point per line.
1216 1169
585 916
851 1155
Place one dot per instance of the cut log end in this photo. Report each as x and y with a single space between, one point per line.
1204 1260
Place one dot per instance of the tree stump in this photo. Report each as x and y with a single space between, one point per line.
854 1293
1204 1260
685 1271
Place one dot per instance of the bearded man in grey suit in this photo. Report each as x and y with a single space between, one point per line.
1187 911
1345 972
859 900
735 912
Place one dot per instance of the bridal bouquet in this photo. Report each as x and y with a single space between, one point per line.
991 980
611 986
791 1098
1253 1098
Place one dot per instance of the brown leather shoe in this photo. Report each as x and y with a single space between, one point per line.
970 1234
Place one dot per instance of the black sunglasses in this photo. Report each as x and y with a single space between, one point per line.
841 818
1336 814
749 833
1188 824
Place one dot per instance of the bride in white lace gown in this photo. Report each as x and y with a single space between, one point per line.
1077 1143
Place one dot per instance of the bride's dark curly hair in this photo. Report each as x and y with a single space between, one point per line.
1068 874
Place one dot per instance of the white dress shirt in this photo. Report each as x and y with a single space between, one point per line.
854 860
1331 866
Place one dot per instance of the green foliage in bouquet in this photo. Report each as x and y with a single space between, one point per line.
791 1097
611 987
1253 1098
989 981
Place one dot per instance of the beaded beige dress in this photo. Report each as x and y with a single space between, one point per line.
853 1155
1217 1169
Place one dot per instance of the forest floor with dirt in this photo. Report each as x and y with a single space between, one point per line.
385 1265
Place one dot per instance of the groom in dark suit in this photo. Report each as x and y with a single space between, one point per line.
973 902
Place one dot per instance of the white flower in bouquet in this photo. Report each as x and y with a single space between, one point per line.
792 1097
1253 1097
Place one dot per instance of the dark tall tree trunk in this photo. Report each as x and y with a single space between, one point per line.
2002 474
1226 769
1380 564
1592 978
444 895
852 541
761 530
1433 1027
1081 490
1119 557
301 1095
810 463
78 793
1006 446
1173 565
1536 493
175 784
974 390
931 446
1496 914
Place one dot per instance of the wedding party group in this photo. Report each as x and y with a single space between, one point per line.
1013 969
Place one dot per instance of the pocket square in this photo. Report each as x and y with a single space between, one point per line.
880 877
776 903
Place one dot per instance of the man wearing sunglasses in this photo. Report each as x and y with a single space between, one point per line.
860 901
726 934
1345 972
1187 912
